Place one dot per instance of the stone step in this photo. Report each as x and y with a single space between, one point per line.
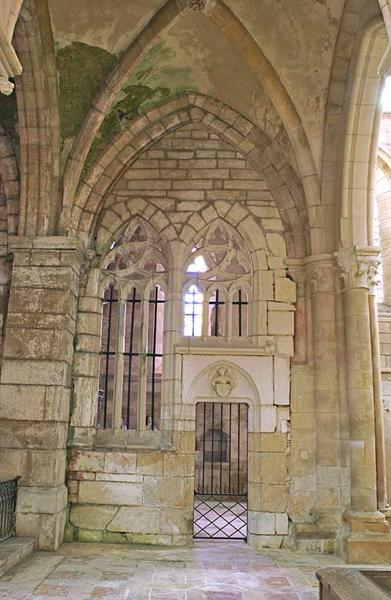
315 544
13 550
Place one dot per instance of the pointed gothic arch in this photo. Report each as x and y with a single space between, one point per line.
231 26
231 127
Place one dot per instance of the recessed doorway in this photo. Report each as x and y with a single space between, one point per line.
221 473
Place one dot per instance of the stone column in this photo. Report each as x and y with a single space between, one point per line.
173 327
321 275
355 265
36 382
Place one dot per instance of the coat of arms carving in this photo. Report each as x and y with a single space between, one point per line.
222 381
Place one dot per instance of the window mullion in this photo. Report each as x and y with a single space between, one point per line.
119 366
142 395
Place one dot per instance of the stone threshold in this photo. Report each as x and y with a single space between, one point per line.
13 550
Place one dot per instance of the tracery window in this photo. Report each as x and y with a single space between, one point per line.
218 280
131 349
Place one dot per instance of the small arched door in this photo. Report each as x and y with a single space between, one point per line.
221 473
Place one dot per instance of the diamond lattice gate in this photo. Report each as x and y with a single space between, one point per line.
220 502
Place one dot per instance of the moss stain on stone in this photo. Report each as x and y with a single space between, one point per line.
82 69
155 79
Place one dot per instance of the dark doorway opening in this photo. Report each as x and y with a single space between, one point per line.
221 473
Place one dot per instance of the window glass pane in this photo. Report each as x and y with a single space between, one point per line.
130 389
240 314
193 311
108 348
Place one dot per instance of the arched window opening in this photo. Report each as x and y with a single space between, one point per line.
131 364
219 261
193 311
215 444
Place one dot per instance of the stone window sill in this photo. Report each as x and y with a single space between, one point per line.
132 440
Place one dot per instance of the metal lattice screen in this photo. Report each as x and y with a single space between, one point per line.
220 504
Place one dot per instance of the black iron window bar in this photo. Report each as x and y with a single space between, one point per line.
8 491
152 355
106 352
240 303
217 304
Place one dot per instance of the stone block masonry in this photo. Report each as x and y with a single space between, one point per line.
138 496
36 382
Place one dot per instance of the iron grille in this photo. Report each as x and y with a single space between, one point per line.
8 490
220 503
220 517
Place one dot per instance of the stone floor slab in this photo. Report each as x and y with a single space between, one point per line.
208 570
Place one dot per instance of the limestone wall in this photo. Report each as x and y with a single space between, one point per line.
120 491
139 496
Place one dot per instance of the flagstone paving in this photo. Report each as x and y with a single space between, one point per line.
210 570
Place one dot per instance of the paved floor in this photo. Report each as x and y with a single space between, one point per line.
211 570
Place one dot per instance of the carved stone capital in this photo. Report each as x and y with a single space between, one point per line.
296 270
359 267
6 86
320 273
204 6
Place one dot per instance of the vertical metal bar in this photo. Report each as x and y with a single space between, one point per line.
142 379
154 356
230 448
212 457
203 450
240 312
119 365
107 357
221 446
133 304
216 327
238 474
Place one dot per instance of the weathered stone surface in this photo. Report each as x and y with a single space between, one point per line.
92 517
136 520
117 493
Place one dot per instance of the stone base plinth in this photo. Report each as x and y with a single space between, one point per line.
368 549
369 541
41 515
